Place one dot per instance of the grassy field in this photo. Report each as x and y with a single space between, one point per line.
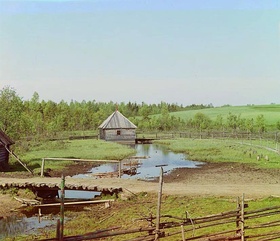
133 213
128 214
78 149
230 150
271 112
213 150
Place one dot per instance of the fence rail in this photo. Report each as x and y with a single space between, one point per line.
242 224
273 136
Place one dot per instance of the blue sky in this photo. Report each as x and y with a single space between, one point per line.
185 52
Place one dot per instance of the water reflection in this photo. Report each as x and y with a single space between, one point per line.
160 155
145 167
10 226
15 225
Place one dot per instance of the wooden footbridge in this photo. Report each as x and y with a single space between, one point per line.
144 140
43 189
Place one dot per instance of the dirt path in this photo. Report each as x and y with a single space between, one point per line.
213 179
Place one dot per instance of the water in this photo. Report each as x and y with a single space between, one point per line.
14 225
146 168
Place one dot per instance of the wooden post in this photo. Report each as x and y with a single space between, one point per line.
159 201
120 169
242 219
39 215
58 229
183 233
237 215
62 208
42 167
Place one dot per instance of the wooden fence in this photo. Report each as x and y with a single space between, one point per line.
242 224
267 140
273 136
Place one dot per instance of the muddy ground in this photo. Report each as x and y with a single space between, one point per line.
211 179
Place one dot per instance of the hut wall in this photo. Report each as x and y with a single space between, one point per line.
102 134
119 135
4 157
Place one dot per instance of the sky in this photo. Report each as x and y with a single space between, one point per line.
177 51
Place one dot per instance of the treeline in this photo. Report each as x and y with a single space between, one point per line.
39 118
35 117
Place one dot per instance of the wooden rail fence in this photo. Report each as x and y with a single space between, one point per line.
237 224
242 224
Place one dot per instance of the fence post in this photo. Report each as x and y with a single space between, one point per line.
62 208
57 229
42 167
159 202
238 215
242 219
120 169
183 233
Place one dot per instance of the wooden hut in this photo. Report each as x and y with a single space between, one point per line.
117 128
5 143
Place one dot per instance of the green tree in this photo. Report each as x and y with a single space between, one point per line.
232 121
164 118
219 122
250 125
201 121
11 108
33 108
144 112
278 125
260 122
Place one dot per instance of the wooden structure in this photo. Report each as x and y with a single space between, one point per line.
5 143
117 128
236 224
49 190
78 160
144 140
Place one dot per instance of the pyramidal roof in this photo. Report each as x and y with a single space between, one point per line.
117 120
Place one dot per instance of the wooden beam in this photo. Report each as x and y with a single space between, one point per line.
76 159
75 203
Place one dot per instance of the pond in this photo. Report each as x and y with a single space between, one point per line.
15 225
150 156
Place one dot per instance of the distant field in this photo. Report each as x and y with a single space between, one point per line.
271 112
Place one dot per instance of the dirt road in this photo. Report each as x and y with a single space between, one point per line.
215 179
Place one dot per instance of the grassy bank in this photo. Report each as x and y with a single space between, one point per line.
213 150
133 213
209 150
78 149
270 112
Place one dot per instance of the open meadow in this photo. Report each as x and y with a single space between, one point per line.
270 112
231 169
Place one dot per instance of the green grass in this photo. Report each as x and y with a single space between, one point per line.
213 150
127 214
209 150
131 214
78 149
271 112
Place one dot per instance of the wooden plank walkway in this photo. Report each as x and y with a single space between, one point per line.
43 186
144 140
